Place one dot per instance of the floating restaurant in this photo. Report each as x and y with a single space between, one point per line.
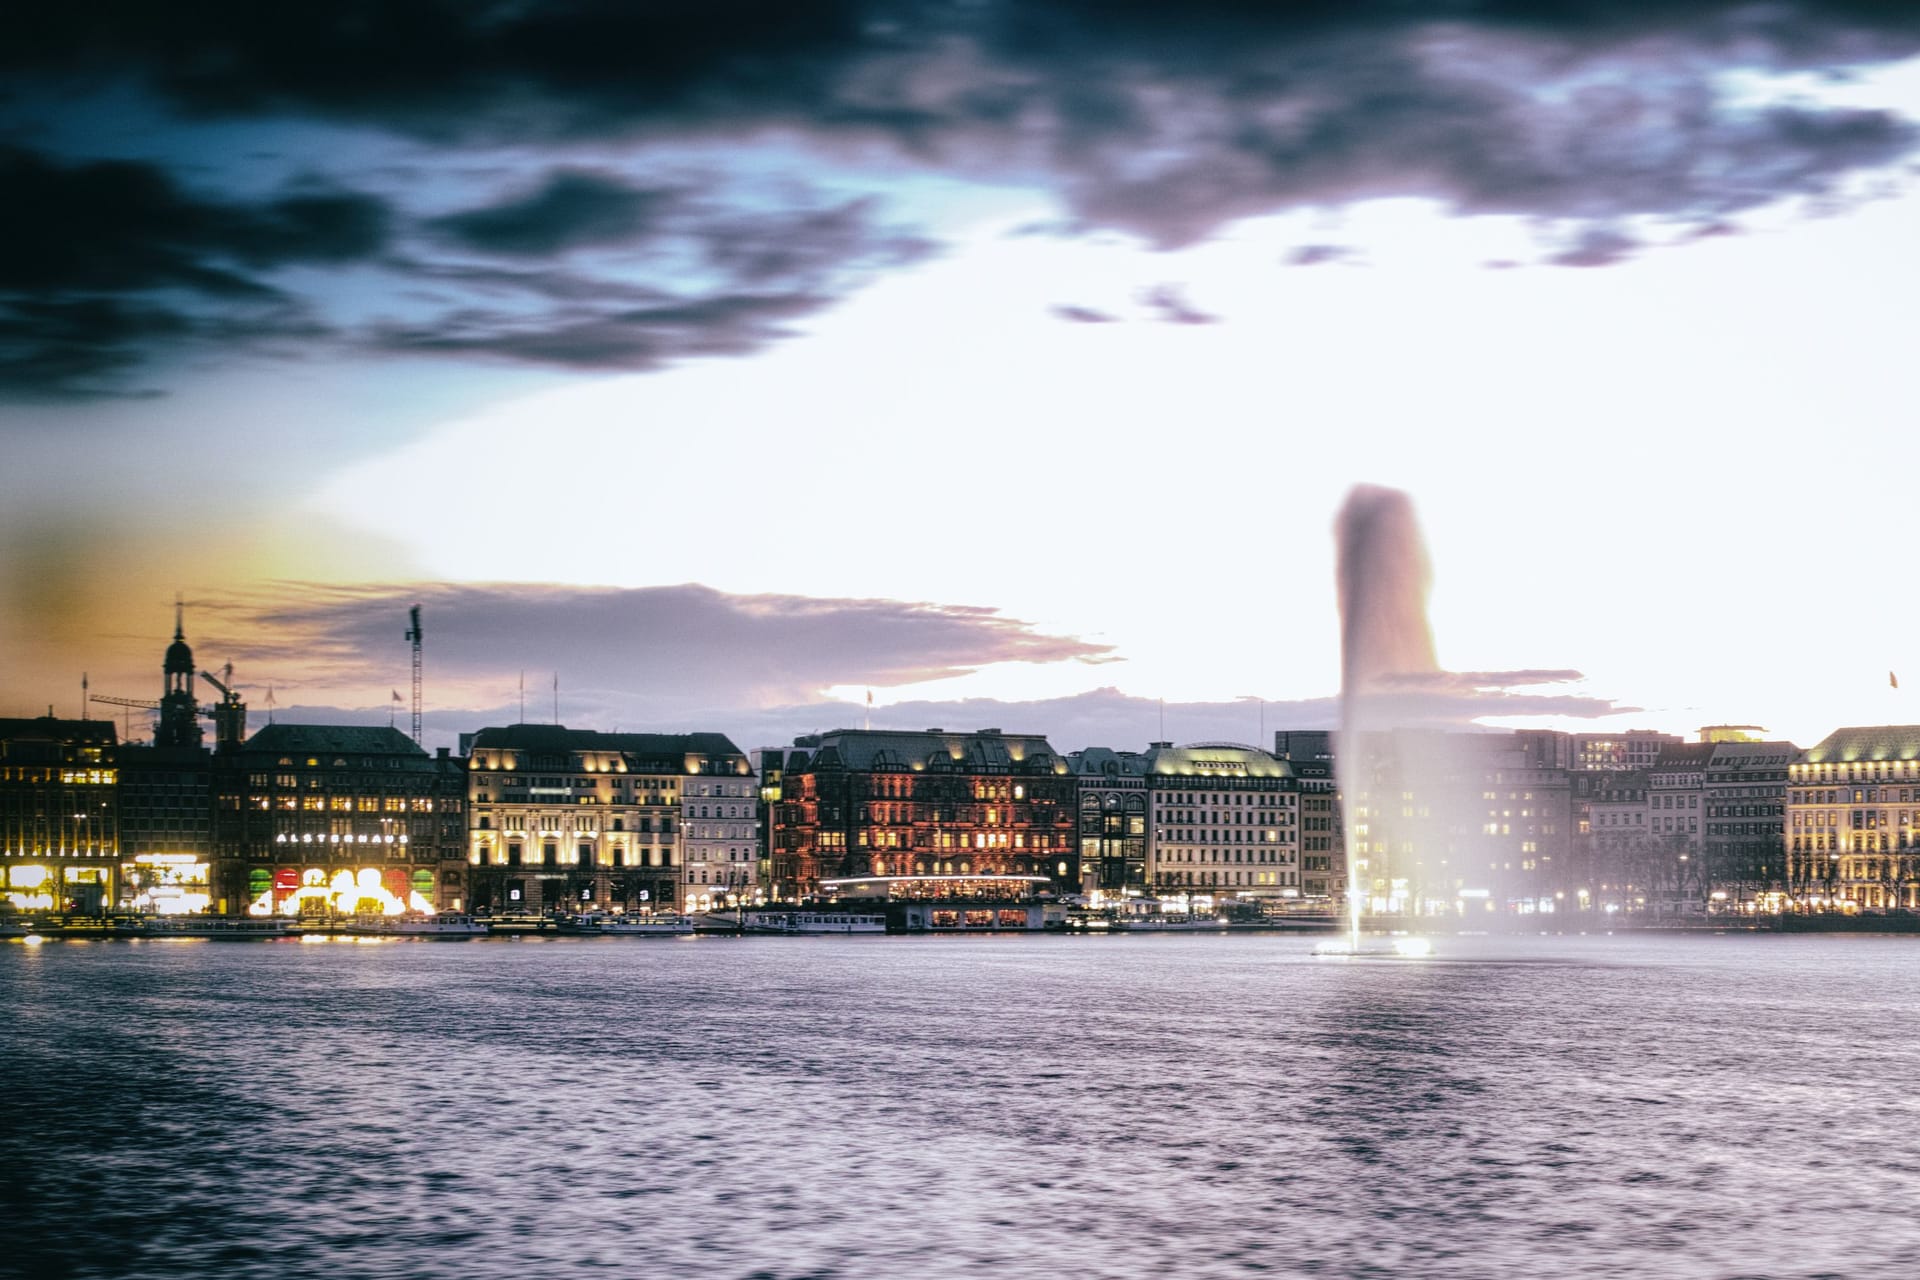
943 904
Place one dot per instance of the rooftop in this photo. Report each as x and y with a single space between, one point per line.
1876 742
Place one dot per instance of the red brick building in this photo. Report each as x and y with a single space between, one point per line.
875 802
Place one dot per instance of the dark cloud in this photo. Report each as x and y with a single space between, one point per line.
1162 120
1596 247
615 337
674 646
760 249
1081 315
1312 255
1166 122
571 209
720 279
118 225
1169 303
104 263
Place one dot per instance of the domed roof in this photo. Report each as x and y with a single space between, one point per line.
179 656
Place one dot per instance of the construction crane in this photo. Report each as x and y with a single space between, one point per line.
229 715
414 634
126 717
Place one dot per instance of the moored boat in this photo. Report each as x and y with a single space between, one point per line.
803 921
644 926
225 928
443 925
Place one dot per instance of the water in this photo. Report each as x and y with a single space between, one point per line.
1127 1106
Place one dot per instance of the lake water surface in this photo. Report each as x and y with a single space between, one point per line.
1017 1106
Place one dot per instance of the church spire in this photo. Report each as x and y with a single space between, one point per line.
179 711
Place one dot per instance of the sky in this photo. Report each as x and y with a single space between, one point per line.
706 367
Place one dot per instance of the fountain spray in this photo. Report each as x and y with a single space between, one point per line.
1383 578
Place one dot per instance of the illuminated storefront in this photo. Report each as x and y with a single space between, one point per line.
166 884
59 817
310 891
341 819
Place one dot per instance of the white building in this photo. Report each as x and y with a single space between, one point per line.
1224 820
719 831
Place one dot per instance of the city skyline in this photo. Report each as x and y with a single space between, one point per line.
1010 366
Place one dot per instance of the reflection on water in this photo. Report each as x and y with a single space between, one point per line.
1186 1106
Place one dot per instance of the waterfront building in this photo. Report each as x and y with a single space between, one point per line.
860 802
1323 852
1617 837
1853 819
1225 819
1633 749
1676 873
344 818
166 829
575 819
718 804
770 767
1447 823
1746 806
1112 803
59 814
166 795
1526 781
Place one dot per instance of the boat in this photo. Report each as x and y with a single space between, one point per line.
640 926
443 925
246 928
1172 923
799 922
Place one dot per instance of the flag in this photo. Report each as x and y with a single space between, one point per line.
1893 679
869 697
397 697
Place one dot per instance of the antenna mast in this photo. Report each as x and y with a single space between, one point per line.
413 634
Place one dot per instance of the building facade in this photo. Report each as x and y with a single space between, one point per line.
1675 874
1225 819
166 795
1745 815
1853 820
1618 840
1112 791
59 815
1323 847
857 802
566 820
1634 749
718 810
337 818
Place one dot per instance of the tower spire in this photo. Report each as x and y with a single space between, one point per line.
179 708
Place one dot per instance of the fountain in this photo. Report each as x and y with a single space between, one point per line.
1386 648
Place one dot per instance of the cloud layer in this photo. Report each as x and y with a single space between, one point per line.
669 649
105 263
1167 122
755 667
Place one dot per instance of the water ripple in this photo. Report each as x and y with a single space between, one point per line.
1734 1108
